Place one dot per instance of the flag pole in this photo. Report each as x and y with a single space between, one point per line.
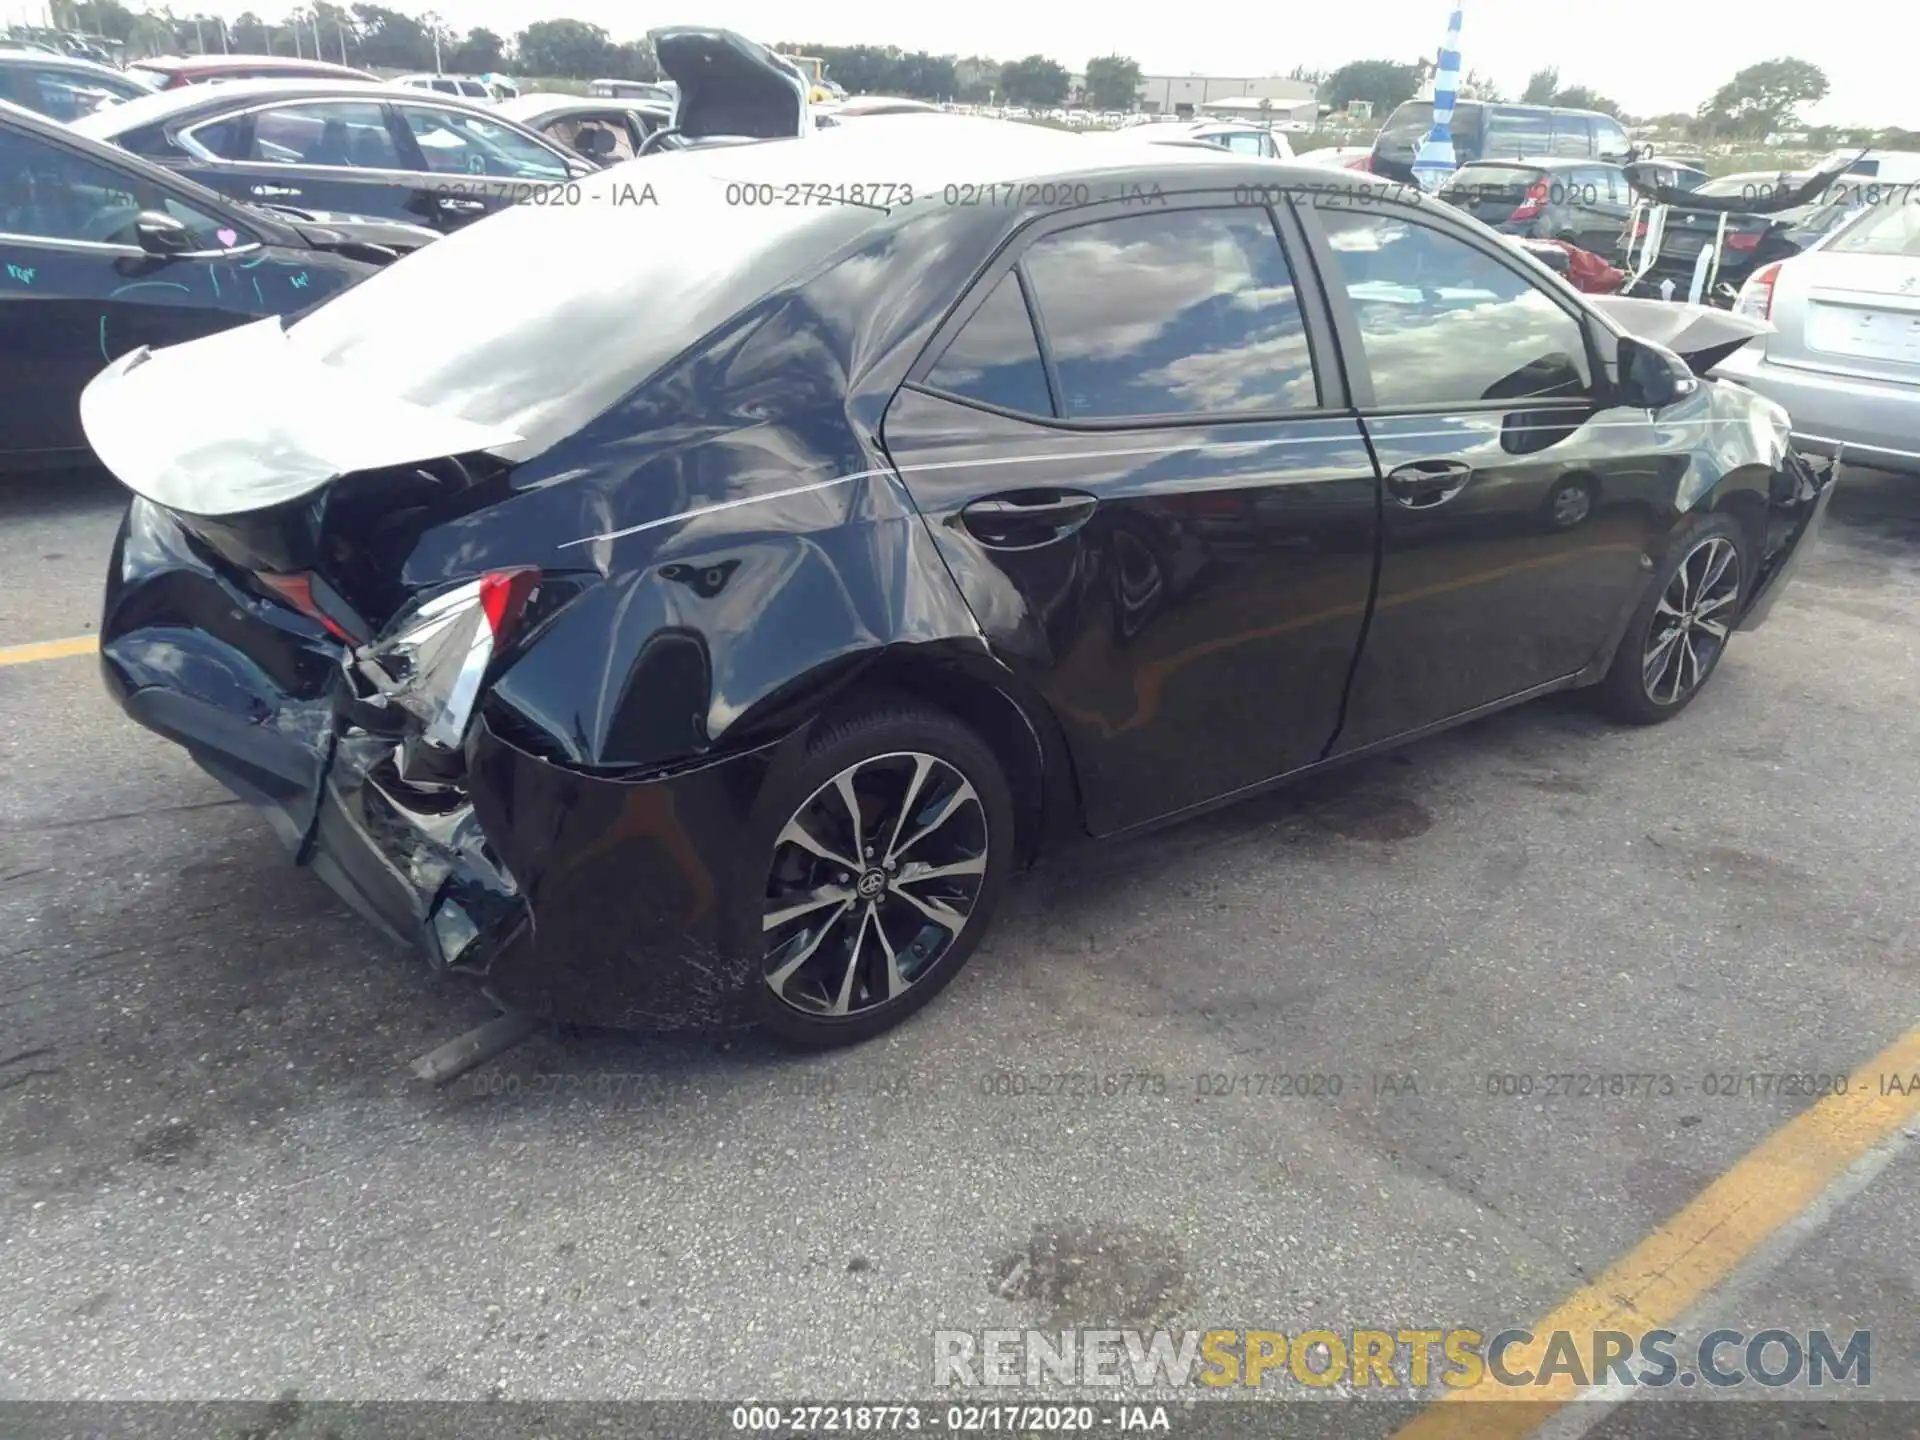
1435 160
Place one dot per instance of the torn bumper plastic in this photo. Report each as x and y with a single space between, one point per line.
1801 496
569 896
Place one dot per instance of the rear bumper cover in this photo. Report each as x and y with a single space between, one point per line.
1877 421
1809 495
572 897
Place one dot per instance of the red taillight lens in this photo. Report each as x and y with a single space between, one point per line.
1756 296
503 596
1365 162
1743 241
297 591
1534 203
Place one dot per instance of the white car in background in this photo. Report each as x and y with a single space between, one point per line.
1844 354
469 87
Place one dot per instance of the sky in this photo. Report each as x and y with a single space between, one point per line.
1651 56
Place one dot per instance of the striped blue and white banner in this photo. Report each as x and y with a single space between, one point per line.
1435 160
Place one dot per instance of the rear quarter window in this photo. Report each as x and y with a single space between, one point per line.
995 359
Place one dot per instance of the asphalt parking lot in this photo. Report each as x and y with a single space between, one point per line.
217 1177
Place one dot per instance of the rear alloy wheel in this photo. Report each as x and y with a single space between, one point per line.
1680 632
881 878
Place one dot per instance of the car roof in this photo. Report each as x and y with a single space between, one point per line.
539 104
131 115
1545 162
676 226
189 64
44 60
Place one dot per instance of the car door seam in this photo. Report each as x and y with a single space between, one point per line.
1373 586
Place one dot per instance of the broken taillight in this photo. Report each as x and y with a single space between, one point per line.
1536 200
313 598
1756 296
432 659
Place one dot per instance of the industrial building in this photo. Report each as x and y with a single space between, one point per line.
1194 95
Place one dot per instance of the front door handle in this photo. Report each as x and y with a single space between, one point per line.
1426 483
1022 519
265 191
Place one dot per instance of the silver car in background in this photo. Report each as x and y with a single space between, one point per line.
1844 354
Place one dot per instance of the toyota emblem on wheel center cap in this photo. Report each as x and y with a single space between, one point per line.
870 884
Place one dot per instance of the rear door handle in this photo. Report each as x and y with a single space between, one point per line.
454 202
1022 519
1426 483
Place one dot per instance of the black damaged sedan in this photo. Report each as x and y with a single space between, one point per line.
800 538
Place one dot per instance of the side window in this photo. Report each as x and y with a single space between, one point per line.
602 137
454 142
1515 133
345 133
68 94
1442 323
1181 312
1246 143
1572 136
995 358
55 194
1610 141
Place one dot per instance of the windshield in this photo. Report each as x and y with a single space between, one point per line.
1882 230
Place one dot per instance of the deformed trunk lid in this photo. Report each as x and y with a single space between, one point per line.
244 421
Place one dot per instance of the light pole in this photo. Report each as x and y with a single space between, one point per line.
433 22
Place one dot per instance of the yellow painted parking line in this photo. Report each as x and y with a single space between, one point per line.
48 650
1661 1278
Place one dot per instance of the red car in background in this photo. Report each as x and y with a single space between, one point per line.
170 72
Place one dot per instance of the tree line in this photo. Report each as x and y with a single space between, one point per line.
1759 100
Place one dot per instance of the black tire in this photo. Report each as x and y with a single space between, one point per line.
872 738
1626 693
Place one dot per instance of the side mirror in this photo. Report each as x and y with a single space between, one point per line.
1652 378
160 234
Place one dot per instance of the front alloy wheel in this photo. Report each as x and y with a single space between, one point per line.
1691 621
874 879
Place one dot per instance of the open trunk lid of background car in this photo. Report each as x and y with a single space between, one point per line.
731 86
